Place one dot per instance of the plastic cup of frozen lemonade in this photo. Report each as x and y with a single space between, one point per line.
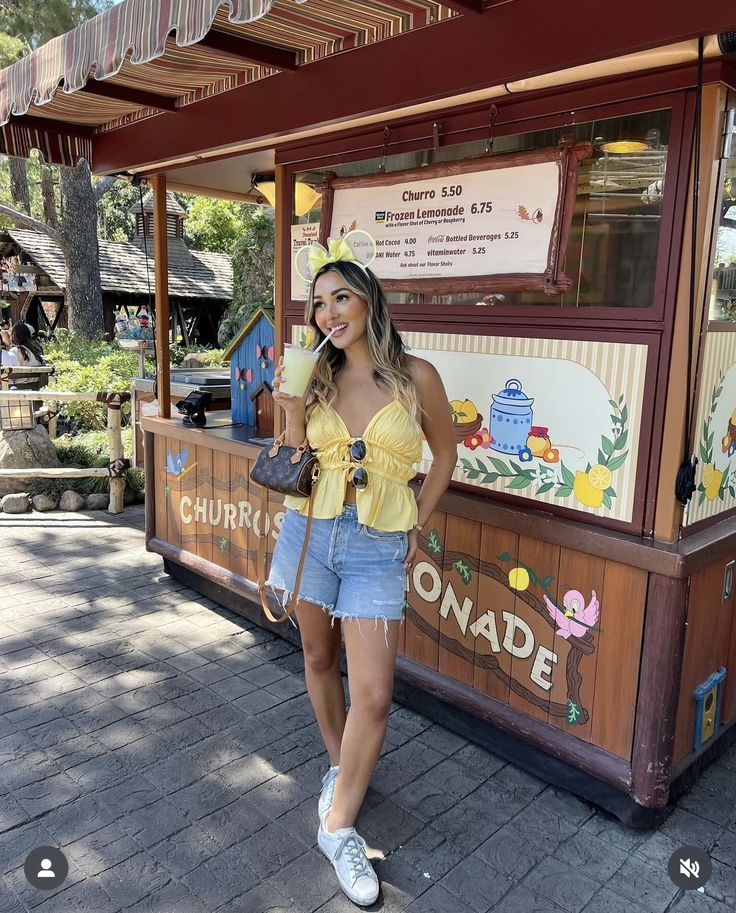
298 367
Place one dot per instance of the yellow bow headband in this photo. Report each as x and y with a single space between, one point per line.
356 246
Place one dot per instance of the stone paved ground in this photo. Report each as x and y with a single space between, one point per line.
167 746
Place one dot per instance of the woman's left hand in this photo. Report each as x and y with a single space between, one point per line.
411 550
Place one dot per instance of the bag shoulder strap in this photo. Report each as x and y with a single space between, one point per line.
261 560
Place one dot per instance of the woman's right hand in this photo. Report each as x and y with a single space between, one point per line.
293 406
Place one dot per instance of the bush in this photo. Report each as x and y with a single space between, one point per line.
98 366
91 366
212 358
253 269
87 450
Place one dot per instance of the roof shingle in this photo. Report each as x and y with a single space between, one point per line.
192 274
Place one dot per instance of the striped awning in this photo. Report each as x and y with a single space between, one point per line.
142 57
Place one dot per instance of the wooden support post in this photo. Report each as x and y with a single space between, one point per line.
161 261
149 470
115 444
281 251
659 690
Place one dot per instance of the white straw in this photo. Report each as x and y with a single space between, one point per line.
325 339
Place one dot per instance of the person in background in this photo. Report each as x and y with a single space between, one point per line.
8 359
26 349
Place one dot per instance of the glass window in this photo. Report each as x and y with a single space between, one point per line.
612 249
723 285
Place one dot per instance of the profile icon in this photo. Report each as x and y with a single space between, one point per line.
46 867
46 870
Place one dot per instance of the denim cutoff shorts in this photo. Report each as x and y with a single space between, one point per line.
351 570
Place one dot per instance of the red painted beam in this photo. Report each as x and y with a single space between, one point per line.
107 89
464 6
510 41
248 51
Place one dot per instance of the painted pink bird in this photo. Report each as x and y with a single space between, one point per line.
577 619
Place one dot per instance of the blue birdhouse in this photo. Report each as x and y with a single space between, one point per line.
251 356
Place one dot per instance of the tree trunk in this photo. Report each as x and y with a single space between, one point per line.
19 191
81 250
49 201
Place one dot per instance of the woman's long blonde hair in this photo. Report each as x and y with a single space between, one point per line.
386 349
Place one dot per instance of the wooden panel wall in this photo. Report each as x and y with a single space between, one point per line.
486 607
498 612
205 504
707 641
422 635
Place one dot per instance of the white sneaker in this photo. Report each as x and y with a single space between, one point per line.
328 791
346 851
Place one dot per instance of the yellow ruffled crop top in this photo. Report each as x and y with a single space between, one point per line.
393 441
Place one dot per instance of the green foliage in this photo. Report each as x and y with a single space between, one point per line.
215 224
91 366
38 21
90 448
34 166
87 450
114 221
463 570
574 714
211 358
253 259
94 366
434 544
12 48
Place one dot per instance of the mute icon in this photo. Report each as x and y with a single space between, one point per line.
690 868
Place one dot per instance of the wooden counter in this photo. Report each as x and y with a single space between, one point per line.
486 629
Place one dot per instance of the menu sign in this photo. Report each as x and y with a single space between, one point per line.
301 236
497 223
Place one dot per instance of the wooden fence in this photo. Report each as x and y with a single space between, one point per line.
117 466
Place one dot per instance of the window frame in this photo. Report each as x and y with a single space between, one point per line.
469 125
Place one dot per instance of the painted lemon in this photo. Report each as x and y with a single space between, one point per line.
600 476
470 410
712 478
519 578
463 411
584 491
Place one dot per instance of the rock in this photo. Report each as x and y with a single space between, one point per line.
128 497
98 501
25 450
71 500
140 497
16 503
44 503
195 360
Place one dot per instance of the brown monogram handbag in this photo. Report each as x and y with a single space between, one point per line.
290 471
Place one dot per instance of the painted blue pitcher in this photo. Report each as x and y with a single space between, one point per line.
511 420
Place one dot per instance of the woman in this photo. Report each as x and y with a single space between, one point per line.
364 415
26 349
7 358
